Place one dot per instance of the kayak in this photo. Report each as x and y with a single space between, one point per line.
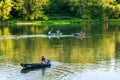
55 34
82 35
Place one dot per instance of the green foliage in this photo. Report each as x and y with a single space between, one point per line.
35 9
111 9
19 10
29 9
78 6
39 9
5 8
58 6
95 9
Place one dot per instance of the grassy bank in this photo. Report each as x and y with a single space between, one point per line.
53 22
42 22
114 20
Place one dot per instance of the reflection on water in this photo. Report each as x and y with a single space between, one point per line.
92 58
62 71
26 70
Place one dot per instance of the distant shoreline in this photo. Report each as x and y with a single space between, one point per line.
54 22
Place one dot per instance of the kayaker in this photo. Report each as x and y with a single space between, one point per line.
49 33
58 31
82 35
43 61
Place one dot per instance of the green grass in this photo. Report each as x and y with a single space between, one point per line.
53 22
114 20
42 22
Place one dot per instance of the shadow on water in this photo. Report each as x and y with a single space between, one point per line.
26 70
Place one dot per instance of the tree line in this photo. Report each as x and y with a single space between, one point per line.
40 9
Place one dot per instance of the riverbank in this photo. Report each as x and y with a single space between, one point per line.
53 22
42 22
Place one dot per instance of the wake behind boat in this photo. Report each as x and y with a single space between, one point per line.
32 36
55 35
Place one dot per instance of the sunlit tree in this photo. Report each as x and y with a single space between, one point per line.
30 9
111 9
18 10
5 8
78 6
35 9
95 9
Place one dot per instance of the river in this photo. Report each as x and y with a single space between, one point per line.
95 57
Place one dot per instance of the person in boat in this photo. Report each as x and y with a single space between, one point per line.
58 31
48 61
43 61
82 34
49 33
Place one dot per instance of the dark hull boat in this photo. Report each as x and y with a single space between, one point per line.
35 65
